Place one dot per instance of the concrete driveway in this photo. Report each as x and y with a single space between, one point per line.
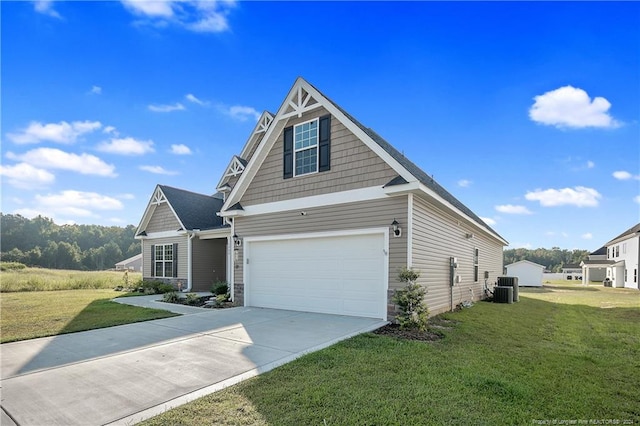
125 374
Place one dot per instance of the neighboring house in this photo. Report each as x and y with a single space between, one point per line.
595 267
572 272
622 258
529 273
134 263
320 213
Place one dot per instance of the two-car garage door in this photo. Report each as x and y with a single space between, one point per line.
338 274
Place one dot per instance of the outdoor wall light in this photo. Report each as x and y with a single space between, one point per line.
397 231
237 241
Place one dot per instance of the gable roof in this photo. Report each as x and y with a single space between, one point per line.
526 262
633 231
601 251
304 97
192 210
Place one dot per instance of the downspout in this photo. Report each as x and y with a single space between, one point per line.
191 235
231 258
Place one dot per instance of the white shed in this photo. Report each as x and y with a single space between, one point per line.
529 274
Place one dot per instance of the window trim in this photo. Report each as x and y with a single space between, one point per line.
309 148
476 264
163 261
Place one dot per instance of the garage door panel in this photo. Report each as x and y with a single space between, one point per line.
341 275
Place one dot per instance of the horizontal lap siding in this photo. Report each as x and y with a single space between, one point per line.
182 255
162 219
367 214
353 166
436 237
209 262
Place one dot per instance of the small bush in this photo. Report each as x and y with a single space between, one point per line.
220 287
155 287
410 300
192 299
171 297
12 266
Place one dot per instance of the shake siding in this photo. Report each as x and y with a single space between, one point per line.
353 166
367 214
436 237
209 263
254 145
182 255
163 219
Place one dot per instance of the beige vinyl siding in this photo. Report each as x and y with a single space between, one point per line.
182 255
436 238
252 149
353 166
162 219
366 214
209 262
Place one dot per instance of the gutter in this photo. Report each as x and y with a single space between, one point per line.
190 236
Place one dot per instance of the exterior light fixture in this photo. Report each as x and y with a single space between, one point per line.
397 231
237 241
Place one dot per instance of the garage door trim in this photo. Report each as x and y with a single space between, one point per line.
384 232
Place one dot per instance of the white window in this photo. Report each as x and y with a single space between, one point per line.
164 260
476 255
305 147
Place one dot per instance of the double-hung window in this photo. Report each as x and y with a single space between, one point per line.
164 260
476 256
305 144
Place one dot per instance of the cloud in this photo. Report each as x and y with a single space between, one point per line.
590 164
511 209
587 236
489 221
126 196
636 199
51 158
522 245
579 196
571 107
191 98
243 113
157 170
96 90
464 183
180 149
61 132
66 205
207 16
126 146
110 130
167 108
624 175
25 176
45 7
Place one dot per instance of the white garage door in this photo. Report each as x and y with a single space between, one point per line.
344 275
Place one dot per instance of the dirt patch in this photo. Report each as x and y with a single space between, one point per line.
394 330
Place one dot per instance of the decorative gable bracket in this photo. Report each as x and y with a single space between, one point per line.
158 197
263 124
236 167
300 102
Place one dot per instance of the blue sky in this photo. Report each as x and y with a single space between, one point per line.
527 112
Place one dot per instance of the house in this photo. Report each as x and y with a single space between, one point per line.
621 262
572 271
133 263
319 213
595 267
529 273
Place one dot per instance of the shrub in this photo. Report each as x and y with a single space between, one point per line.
192 299
155 287
220 287
171 297
410 300
12 266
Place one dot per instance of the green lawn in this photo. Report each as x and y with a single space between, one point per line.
563 353
31 314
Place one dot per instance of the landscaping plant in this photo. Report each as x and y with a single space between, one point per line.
410 300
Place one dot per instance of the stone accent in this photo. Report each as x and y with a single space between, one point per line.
392 308
238 294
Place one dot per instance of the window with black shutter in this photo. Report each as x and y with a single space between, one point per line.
307 147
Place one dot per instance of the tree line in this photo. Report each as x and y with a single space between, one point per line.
553 259
41 242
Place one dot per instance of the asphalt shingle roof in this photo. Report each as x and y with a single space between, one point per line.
633 230
196 211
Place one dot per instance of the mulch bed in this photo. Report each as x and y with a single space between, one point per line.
394 330
200 303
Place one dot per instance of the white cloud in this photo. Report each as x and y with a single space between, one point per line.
25 176
96 90
243 113
587 236
126 146
636 199
180 149
79 199
489 221
191 98
624 175
157 170
521 245
110 130
126 196
62 132
590 164
51 158
464 183
579 196
511 209
196 15
571 107
167 108
46 8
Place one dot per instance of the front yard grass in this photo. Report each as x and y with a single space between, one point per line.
558 355
31 314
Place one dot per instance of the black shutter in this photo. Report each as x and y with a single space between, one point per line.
153 260
288 153
175 260
324 154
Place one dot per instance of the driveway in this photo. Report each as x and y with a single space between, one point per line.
125 374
